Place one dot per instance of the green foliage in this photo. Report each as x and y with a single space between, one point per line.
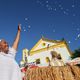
63 39
76 53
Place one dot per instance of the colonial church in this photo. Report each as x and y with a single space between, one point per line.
41 52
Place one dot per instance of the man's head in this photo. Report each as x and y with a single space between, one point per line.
4 47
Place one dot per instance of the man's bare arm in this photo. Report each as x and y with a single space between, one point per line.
16 41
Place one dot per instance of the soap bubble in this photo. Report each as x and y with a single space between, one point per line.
29 26
26 19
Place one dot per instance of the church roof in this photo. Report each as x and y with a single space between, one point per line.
46 40
49 40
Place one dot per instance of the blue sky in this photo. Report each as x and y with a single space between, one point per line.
54 19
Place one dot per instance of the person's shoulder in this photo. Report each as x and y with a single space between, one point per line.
12 51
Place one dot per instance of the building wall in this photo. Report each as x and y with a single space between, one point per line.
65 54
42 55
40 51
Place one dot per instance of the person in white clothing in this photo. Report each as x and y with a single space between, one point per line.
9 69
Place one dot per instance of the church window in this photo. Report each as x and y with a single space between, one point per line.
37 61
54 54
43 44
59 56
47 59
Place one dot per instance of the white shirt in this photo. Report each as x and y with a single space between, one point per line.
9 69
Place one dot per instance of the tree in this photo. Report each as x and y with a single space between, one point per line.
76 53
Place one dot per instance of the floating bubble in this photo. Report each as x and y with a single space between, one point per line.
78 29
76 39
60 5
24 30
29 26
64 12
47 5
55 9
23 27
67 9
69 41
51 8
78 36
26 19
38 1
74 14
46 1
73 5
53 30
61 8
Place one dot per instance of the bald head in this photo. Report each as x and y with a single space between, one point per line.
4 46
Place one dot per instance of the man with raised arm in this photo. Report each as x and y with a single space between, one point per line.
9 69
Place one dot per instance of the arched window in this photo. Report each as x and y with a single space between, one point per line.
59 56
37 61
43 44
47 59
54 54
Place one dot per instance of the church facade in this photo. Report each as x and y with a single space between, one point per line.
41 52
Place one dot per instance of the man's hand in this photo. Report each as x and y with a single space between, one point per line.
19 27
